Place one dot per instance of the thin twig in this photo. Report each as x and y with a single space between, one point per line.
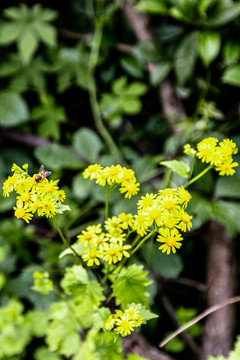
200 317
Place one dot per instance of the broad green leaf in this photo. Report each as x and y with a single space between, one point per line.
100 317
13 109
88 144
136 89
225 12
160 73
79 248
165 265
74 278
82 188
227 213
46 32
57 157
180 167
27 45
231 75
209 46
152 6
231 53
38 320
9 32
44 353
185 57
228 187
48 14
119 85
13 13
131 286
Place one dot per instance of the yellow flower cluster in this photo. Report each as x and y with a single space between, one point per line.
124 322
164 211
39 196
108 245
112 176
218 155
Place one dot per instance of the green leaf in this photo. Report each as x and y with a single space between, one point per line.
82 188
131 286
79 248
144 312
9 32
13 13
13 109
152 6
209 46
48 14
228 187
88 144
227 213
131 105
180 167
231 75
57 157
100 317
74 278
160 73
165 265
231 53
27 45
119 85
225 12
136 89
185 57
46 32
44 353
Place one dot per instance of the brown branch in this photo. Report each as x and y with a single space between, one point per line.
200 317
135 343
218 330
32 140
171 104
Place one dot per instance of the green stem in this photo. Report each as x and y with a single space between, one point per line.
92 88
198 176
143 241
107 203
64 240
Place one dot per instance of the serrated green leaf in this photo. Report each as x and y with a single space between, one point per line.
57 157
144 312
232 75
185 57
209 46
74 277
13 109
27 45
131 286
9 32
180 167
100 317
166 265
46 32
88 144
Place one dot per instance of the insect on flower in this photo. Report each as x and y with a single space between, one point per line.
42 174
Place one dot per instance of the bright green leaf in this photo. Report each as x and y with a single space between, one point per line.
209 46
13 109
225 12
152 6
46 32
131 105
180 167
231 75
131 286
9 32
136 89
44 353
27 45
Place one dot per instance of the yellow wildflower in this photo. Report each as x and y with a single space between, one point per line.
171 239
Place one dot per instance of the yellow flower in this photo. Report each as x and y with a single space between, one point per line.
184 196
171 239
112 253
60 195
9 184
185 220
112 225
141 223
130 188
92 256
124 325
146 201
226 168
22 212
206 149
228 147
113 174
155 214
49 206
91 171
126 220
50 186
